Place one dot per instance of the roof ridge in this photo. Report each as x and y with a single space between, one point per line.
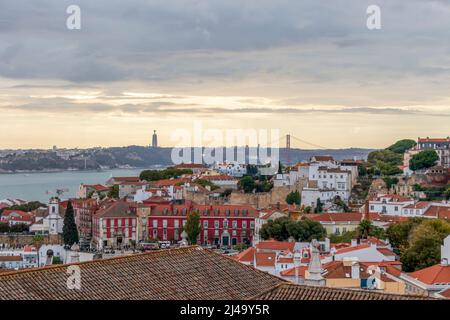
60 266
336 290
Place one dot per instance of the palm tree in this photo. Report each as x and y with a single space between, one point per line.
365 228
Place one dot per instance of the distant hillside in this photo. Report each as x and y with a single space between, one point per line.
134 156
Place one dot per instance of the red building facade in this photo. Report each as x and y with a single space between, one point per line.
115 225
221 225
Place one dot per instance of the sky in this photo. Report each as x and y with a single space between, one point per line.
304 67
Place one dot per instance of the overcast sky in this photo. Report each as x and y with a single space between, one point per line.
310 68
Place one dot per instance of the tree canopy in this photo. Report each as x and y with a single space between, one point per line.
282 229
418 241
423 160
168 173
293 198
319 206
247 184
192 227
402 146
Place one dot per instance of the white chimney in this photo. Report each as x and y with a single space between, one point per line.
445 251
355 270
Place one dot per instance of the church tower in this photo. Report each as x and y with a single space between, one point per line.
54 219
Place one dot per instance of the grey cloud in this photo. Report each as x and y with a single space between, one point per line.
208 44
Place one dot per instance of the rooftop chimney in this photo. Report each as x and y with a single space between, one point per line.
355 270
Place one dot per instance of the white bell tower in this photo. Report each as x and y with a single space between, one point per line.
53 216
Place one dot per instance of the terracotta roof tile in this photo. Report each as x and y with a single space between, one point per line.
265 259
431 275
287 291
185 273
276 245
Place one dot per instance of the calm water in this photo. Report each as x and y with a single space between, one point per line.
34 186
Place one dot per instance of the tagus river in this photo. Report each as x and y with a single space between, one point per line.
40 186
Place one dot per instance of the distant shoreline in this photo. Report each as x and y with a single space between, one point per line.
78 170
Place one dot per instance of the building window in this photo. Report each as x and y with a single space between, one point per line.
216 224
164 223
252 224
155 223
205 224
225 224
205 237
244 224
176 223
234 224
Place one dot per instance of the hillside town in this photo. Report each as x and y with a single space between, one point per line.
379 225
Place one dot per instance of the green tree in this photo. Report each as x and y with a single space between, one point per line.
447 193
418 241
276 229
282 229
339 202
424 249
57 260
365 228
293 198
4 227
192 227
207 183
306 230
280 167
362 170
114 192
345 237
319 206
247 184
424 159
168 173
386 156
402 146
308 209
19 228
390 181
70 232
398 233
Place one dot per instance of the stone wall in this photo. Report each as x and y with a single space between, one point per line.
20 240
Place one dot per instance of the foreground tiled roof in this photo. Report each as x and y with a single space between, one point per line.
286 291
184 273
